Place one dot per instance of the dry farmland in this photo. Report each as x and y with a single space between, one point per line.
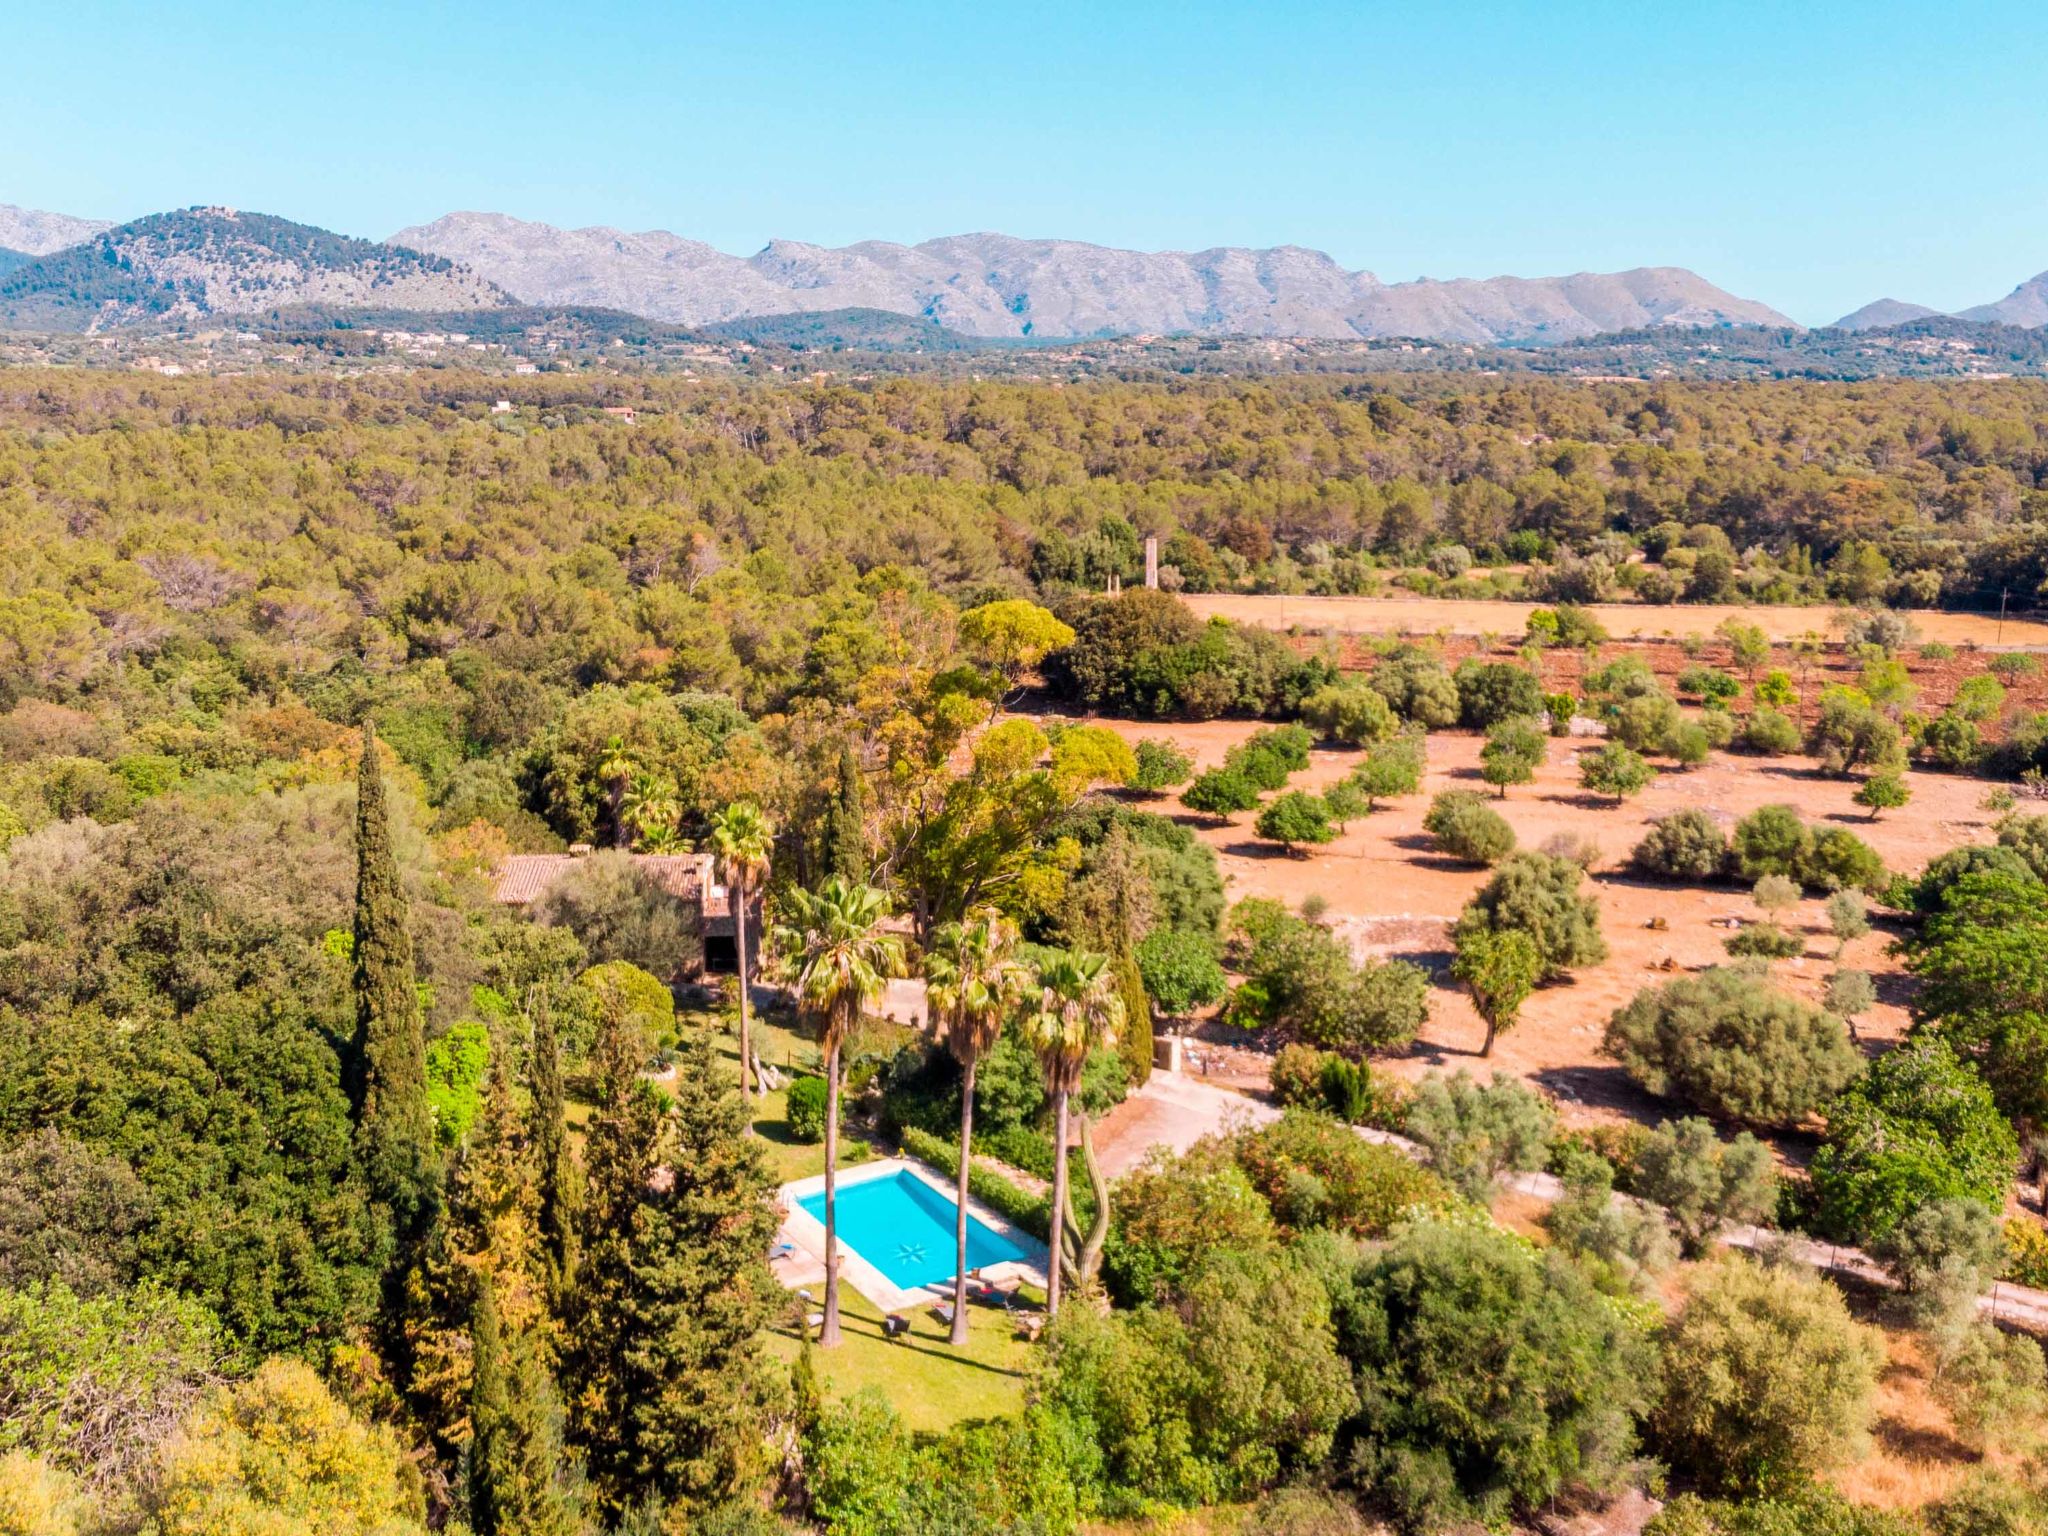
1394 895
1624 621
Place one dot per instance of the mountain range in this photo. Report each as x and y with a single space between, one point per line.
59 273
992 286
2026 307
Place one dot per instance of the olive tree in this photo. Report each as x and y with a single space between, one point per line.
1767 1380
1540 894
1466 827
1705 1183
1729 1044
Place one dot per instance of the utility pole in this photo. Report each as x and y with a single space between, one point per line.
2003 594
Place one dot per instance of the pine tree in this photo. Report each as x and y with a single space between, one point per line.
673 1291
488 1239
702 1294
394 1123
845 836
619 1152
558 1181
516 1482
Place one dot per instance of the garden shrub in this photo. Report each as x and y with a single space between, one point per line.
1730 1045
1772 840
1769 732
1764 941
1350 712
1315 1171
1953 742
1174 1208
805 1111
1297 1073
1840 861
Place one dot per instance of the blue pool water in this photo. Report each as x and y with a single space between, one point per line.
904 1227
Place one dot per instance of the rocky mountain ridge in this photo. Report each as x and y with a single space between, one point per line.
993 286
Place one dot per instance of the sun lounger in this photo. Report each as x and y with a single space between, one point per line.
895 1326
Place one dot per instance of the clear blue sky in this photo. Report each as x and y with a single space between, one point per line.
1808 154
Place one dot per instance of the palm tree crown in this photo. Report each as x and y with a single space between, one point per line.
838 953
1077 1009
973 982
743 838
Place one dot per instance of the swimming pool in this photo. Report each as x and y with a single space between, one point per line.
904 1228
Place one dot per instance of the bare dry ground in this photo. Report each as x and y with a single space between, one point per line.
1393 895
1624 621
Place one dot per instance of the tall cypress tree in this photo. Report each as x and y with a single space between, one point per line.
394 1123
557 1178
702 1295
619 1159
845 841
516 1483
666 1372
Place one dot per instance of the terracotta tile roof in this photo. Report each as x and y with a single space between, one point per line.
523 878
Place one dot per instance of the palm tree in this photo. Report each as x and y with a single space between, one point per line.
1077 1008
841 958
742 838
649 806
615 772
973 984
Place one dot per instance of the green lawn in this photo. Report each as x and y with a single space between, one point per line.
780 1046
926 1380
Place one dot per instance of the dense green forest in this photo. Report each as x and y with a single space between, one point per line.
336 1197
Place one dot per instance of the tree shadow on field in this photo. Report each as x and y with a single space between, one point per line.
1600 1085
1258 848
1424 854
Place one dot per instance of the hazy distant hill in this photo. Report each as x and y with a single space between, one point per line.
2026 305
11 260
1883 312
998 286
34 233
216 261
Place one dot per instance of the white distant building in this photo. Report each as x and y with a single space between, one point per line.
503 408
